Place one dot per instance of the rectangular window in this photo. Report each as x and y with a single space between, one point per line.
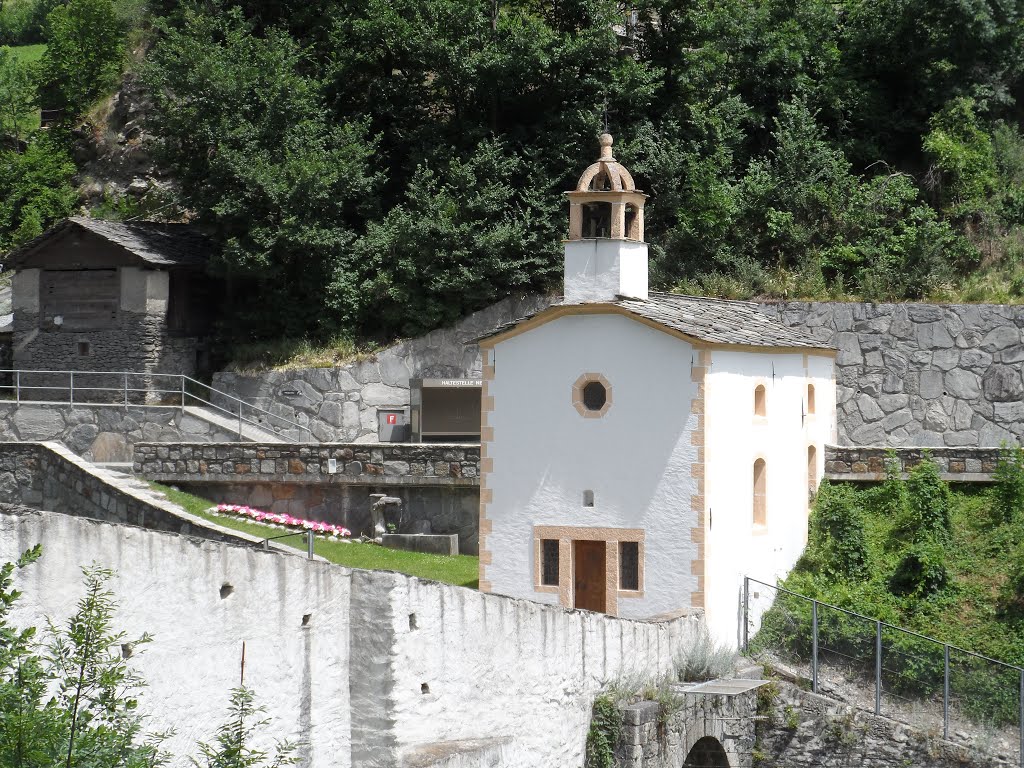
629 565
549 562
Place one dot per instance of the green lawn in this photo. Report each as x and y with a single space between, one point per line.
461 570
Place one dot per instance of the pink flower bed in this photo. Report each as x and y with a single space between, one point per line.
273 518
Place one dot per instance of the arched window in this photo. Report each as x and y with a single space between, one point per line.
812 471
760 487
810 398
759 401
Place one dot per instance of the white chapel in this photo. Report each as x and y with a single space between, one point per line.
642 452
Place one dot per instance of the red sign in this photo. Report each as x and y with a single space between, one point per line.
392 418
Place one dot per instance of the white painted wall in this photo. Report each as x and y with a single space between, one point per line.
636 458
25 290
603 269
735 439
514 672
169 586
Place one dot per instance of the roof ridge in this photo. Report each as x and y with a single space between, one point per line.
670 295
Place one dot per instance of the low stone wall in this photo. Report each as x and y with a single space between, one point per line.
962 465
48 476
438 483
340 404
104 433
921 374
363 668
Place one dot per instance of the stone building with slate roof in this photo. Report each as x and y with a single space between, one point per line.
642 452
93 295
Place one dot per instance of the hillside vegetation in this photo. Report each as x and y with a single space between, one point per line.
946 563
376 168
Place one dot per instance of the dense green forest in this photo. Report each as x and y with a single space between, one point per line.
375 168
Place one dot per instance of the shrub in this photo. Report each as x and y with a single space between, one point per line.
837 542
704 659
929 503
1008 489
604 732
921 572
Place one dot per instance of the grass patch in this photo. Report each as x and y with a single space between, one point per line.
281 354
460 570
28 54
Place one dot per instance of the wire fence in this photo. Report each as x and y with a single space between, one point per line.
133 389
909 677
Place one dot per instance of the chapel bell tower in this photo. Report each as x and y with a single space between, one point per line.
605 255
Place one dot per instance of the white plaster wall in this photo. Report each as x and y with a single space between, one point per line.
518 676
603 269
169 586
735 439
512 668
144 290
25 290
636 458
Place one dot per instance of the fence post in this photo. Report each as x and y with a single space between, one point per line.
878 667
1021 723
183 393
126 389
746 612
814 646
266 545
17 386
71 387
239 421
945 694
309 544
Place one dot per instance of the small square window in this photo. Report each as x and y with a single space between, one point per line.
549 562
629 565
84 349
588 498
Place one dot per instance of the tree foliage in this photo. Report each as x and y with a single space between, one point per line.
234 744
836 541
379 167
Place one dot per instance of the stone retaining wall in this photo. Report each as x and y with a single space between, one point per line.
921 374
963 465
340 404
832 734
48 476
103 433
437 483
907 374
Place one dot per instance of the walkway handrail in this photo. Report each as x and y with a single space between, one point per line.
879 625
178 390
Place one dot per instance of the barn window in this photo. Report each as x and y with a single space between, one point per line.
810 398
629 565
549 562
759 401
82 299
84 349
760 487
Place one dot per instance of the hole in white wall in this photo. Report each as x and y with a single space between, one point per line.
225 590
126 650
588 498
412 621
306 618
424 688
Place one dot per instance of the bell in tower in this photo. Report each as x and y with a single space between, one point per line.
605 255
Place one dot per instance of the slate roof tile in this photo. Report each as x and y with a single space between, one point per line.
717 321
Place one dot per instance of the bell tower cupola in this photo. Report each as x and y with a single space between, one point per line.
605 255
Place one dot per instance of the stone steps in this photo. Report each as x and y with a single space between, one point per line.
250 432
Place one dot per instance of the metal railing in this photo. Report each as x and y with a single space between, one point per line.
909 674
310 540
133 389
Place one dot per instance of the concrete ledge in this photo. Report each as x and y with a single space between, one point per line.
429 543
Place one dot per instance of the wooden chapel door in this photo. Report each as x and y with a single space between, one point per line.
590 575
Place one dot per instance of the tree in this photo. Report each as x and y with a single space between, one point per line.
234 748
17 93
35 189
83 58
74 705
